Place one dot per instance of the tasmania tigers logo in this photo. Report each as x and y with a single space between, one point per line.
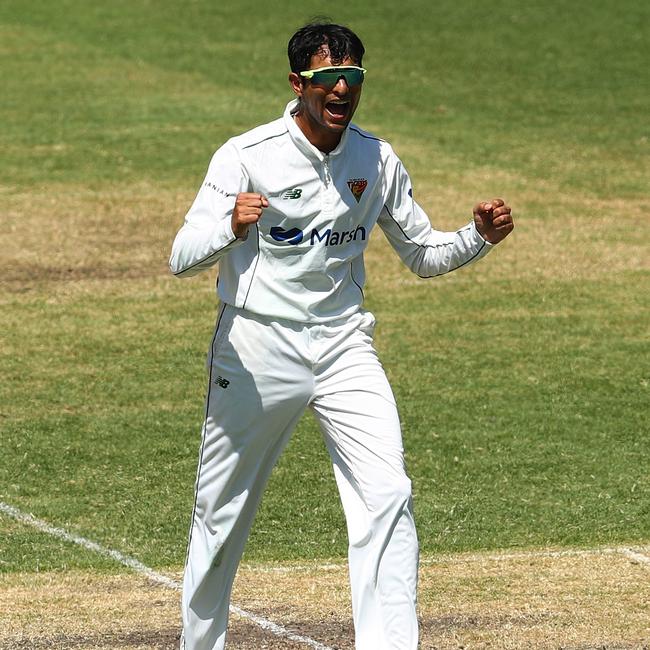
357 187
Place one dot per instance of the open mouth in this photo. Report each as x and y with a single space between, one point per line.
338 109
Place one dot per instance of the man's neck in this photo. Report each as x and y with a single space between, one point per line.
323 140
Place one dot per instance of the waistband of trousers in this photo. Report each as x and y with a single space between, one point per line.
294 324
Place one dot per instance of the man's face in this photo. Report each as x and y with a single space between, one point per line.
325 111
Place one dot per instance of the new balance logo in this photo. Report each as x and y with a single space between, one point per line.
220 381
295 193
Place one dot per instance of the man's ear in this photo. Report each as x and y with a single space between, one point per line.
296 83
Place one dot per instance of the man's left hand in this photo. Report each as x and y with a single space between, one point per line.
493 220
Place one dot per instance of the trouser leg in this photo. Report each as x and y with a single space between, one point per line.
253 404
356 410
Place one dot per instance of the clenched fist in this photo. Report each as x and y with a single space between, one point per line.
248 210
493 220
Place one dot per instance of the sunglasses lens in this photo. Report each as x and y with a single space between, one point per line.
354 77
330 77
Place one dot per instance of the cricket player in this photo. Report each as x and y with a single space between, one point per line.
287 209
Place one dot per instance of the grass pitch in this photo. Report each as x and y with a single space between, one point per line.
522 382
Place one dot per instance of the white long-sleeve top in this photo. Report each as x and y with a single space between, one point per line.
303 260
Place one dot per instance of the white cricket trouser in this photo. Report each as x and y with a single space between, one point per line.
263 374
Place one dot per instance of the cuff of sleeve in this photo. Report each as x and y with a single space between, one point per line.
227 226
224 236
478 238
231 233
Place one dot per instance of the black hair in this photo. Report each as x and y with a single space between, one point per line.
342 42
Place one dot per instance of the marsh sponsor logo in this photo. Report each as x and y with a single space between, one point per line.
335 238
327 237
293 236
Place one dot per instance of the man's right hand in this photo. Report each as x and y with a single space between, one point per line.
248 210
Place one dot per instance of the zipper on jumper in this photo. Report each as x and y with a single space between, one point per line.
326 170
327 191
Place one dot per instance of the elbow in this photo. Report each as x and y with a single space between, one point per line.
175 271
181 259
181 272
185 268
421 266
431 267
176 268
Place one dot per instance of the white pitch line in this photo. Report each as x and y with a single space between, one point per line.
523 555
635 556
130 562
278 630
144 570
294 568
445 559
631 554
640 555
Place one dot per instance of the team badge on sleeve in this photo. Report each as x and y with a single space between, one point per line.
357 187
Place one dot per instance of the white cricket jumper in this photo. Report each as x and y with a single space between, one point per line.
291 335
303 261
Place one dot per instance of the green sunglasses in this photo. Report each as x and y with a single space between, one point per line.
330 75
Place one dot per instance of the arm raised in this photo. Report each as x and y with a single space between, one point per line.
207 233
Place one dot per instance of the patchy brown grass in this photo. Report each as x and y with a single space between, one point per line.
61 235
58 234
572 601
84 610
582 600
558 238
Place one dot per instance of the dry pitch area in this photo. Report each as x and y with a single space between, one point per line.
574 600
